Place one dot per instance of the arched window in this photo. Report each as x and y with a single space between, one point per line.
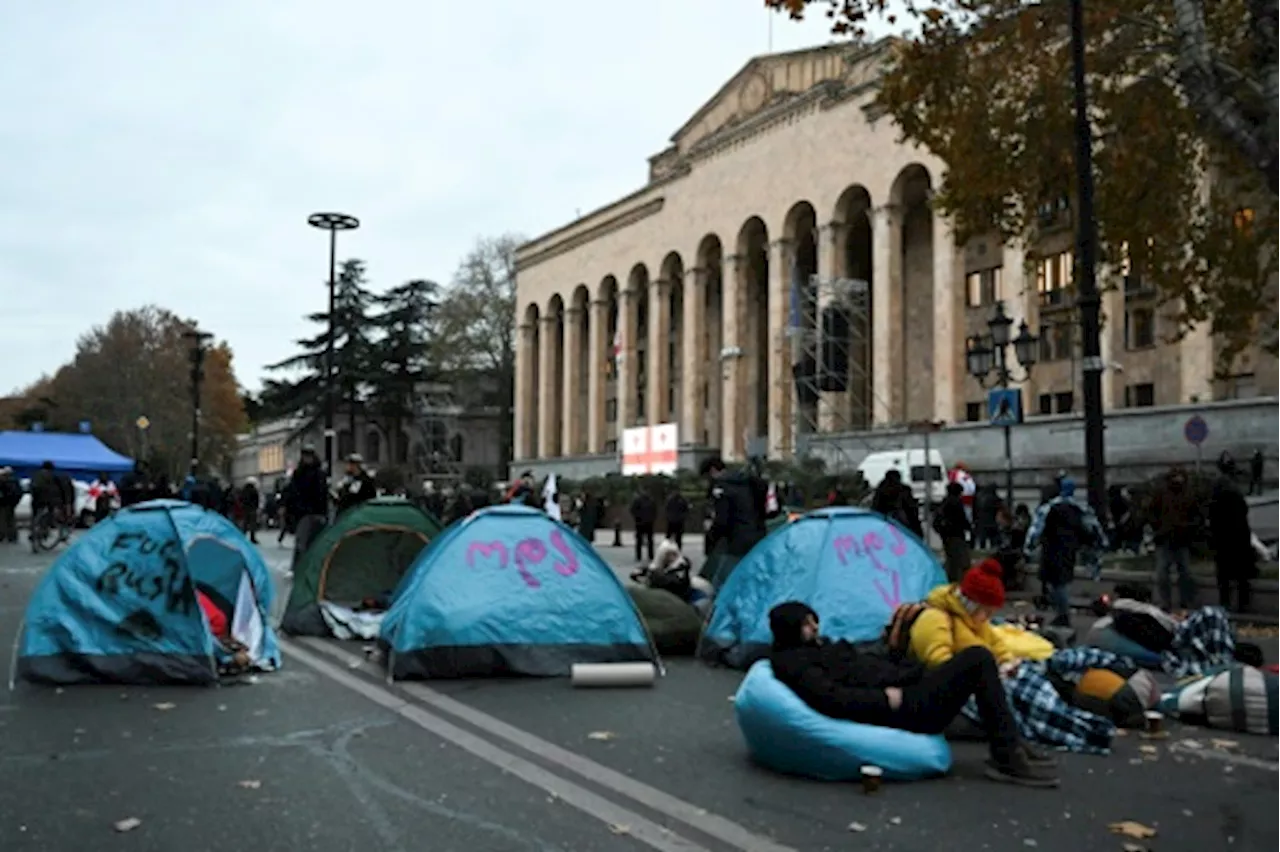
373 447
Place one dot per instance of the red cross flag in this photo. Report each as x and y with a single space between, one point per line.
650 449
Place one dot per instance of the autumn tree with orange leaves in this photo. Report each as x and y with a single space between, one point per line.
133 366
1183 102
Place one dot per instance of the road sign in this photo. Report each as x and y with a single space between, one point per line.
1004 406
1196 431
142 423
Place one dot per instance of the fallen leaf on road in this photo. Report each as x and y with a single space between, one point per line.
1028 841
250 785
602 735
1129 828
896 821
1225 744
617 828
1133 847
1148 749
222 708
166 705
857 826
1121 732
127 824
1190 744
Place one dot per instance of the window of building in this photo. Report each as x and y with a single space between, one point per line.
610 447
1054 278
985 287
1239 386
1140 395
1243 219
1057 341
373 448
973 411
346 444
1139 328
1046 403
1132 271
671 399
611 410
1063 402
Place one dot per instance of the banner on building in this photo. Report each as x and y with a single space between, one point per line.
650 449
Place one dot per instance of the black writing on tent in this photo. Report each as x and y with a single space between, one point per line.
149 569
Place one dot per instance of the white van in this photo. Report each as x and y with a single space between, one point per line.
911 464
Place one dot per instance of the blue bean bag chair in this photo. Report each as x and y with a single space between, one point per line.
786 735
1104 635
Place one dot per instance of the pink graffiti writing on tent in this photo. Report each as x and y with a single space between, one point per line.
489 549
569 565
873 543
530 551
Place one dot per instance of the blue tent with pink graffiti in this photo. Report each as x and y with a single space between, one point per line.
854 567
510 591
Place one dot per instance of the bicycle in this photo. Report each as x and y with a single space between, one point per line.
48 530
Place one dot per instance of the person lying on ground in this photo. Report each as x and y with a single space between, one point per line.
838 680
958 616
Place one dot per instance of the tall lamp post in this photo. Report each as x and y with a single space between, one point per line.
988 362
1087 298
333 223
198 340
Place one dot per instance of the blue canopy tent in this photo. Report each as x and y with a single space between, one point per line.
120 605
854 567
82 456
509 591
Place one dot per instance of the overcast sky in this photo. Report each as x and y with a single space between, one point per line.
154 151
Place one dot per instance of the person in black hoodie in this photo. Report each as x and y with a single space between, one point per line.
737 501
839 680
309 501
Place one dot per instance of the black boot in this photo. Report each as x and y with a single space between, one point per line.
1037 758
1018 770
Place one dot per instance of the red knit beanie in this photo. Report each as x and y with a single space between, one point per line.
984 584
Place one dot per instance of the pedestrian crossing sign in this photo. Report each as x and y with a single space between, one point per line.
1004 406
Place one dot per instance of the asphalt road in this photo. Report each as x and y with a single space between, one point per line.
325 756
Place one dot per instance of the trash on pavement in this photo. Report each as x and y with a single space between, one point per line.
127 824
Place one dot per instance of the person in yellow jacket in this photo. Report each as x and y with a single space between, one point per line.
958 616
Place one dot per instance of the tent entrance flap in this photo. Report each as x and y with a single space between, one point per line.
368 562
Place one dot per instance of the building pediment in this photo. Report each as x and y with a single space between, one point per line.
767 82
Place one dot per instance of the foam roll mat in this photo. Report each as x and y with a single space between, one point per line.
609 675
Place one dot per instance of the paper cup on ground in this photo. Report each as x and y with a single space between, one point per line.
1155 721
613 675
871 776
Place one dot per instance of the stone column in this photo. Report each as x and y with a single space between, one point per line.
694 370
833 406
1111 341
522 415
1195 366
627 316
571 419
782 389
728 361
886 320
659 363
948 321
548 394
597 359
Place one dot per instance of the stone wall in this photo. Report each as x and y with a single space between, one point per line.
1139 443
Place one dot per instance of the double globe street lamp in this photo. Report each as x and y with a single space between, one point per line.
988 362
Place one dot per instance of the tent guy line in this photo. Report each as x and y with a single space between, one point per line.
620 819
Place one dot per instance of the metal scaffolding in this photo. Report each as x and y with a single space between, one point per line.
435 420
831 360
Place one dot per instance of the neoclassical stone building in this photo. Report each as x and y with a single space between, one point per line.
789 172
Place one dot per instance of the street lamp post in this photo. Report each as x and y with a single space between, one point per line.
1087 287
988 362
198 340
333 223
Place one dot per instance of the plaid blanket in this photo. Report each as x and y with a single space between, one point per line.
1204 641
1044 716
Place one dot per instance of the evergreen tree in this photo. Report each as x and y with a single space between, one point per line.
304 392
404 355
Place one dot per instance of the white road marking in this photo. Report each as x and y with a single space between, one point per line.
713 825
645 831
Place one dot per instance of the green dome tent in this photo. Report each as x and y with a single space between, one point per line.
361 555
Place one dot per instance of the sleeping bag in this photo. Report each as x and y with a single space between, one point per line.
1241 699
673 624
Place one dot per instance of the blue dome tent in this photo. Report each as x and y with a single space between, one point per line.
852 566
509 591
120 605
